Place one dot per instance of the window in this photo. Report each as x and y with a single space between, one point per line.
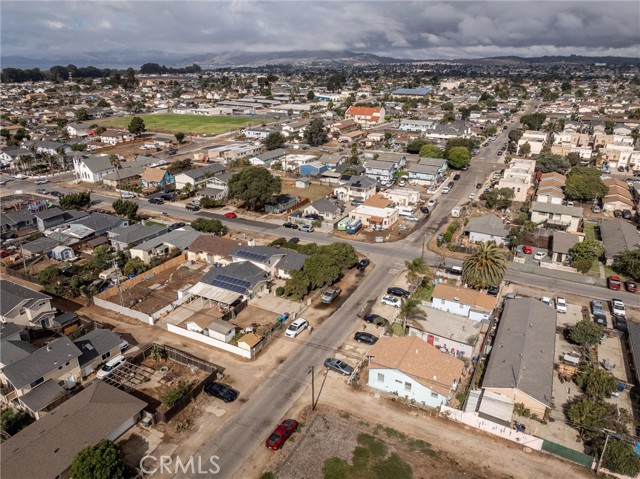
434 394
36 382
22 311
407 386
380 377
106 355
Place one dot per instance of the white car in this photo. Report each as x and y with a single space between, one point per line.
390 301
618 307
296 327
445 190
306 228
561 305
41 182
431 203
472 196
540 255
411 218
128 195
111 366
546 300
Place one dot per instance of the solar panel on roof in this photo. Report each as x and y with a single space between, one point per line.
231 284
252 256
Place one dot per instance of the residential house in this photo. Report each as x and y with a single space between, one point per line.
467 302
402 196
562 217
158 178
413 369
313 168
619 197
551 188
199 177
352 137
268 158
520 366
536 140
416 93
213 328
295 130
328 210
561 244
47 448
259 132
380 171
417 125
448 131
42 245
77 130
12 156
211 249
618 236
354 187
86 226
278 262
487 228
518 177
17 223
113 137
427 171
162 245
217 187
97 347
124 238
366 117
374 217
24 306
344 127
124 176
94 168
63 253
49 218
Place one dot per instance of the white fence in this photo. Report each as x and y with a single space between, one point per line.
210 341
132 313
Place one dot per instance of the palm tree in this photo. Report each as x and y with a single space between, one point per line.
485 267
409 308
418 270
114 160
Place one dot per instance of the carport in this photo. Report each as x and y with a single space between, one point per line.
214 295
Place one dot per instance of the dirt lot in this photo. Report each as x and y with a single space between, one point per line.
313 192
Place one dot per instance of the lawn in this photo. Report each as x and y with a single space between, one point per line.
188 124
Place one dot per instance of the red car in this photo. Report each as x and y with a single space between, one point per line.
230 214
613 282
281 433
631 286
4 253
527 250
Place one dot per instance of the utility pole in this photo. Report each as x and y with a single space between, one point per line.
606 441
313 388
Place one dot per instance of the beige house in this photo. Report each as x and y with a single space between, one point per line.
519 178
357 188
551 188
211 249
536 140
25 306
373 217
402 196
562 217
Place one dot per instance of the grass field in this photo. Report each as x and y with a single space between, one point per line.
188 124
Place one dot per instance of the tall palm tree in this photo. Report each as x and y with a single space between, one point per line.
485 267
114 160
418 270
409 308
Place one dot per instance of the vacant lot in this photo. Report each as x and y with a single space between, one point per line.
195 124
313 192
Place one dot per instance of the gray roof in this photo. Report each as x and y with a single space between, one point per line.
524 349
40 397
134 233
97 163
50 213
75 215
99 221
13 351
181 238
40 245
47 447
43 361
357 181
563 241
125 173
421 168
95 343
556 209
257 254
272 155
243 270
380 165
201 172
618 236
439 162
8 329
15 217
489 225
221 327
634 345
292 261
323 205
14 294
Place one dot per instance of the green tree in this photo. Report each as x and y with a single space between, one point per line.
548 162
587 416
628 263
515 135
125 208
102 103
533 121
255 186
595 382
485 267
102 461
275 140
620 457
573 158
589 249
585 184
410 308
136 126
310 95
81 114
75 200
525 149
448 106
417 271
500 198
100 261
209 226
180 137
12 422
179 166
415 146
431 151
134 266
458 157
206 202
448 117
585 333
316 134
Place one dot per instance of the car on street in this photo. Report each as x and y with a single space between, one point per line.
330 294
395 291
128 195
281 433
431 203
230 214
493 290
540 255
440 237
294 240
445 190
561 305
456 176
307 228
289 225
296 328
42 191
41 182
451 184
175 226
390 301
375 319
631 286
156 201
338 366
620 323
19 176
413 218
191 207
613 282
57 194
601 319
221 391
546 300
597 307
472 196
168 197
362 264
527 249
478 186
111 366
617 307
425 210
366 338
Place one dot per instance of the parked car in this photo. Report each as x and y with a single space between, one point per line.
561 305
281 433
601 319
367 338
294 240
168 196
631 286
362 264
617 307
375 319
613 282
57 194
596 209
175 226
338 366
493 290
456 176
230 214
330 294
41 182
540 255
472 196
221 391
191 207
296 328
156 201
413 218
617 213
111 366
307 228
626 214
445 190
431 203
546 300
597 307
390 301
128 195
478 186
395 291
42 191
620 323
292 226
425 210
527 249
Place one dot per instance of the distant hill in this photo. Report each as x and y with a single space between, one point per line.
572 59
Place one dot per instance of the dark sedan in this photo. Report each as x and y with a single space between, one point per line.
362 264
292 226
221 391
395 291
281 433
375 319
366 338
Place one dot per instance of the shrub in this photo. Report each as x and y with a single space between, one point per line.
174 394
582 265
279 291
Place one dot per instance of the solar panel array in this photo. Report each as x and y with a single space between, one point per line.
250 255
231 284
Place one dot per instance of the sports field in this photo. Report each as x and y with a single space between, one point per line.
188 124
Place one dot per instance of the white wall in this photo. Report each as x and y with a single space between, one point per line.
451 307
394 382
209 341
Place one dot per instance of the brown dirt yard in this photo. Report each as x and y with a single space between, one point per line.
315 190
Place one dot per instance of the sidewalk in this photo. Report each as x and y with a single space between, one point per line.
556 274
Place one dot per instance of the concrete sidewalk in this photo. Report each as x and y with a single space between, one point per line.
556 274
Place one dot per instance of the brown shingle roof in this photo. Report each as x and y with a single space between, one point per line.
153 175
468 296
213 245
418 359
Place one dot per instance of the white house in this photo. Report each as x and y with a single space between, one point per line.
518 177
413 369
402 196
476 305
558 216
487 228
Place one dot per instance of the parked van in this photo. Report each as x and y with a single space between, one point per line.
455 212
108 368
405 211
456 270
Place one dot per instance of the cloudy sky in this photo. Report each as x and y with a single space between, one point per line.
424 29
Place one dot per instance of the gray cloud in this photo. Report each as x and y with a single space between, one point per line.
397 28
